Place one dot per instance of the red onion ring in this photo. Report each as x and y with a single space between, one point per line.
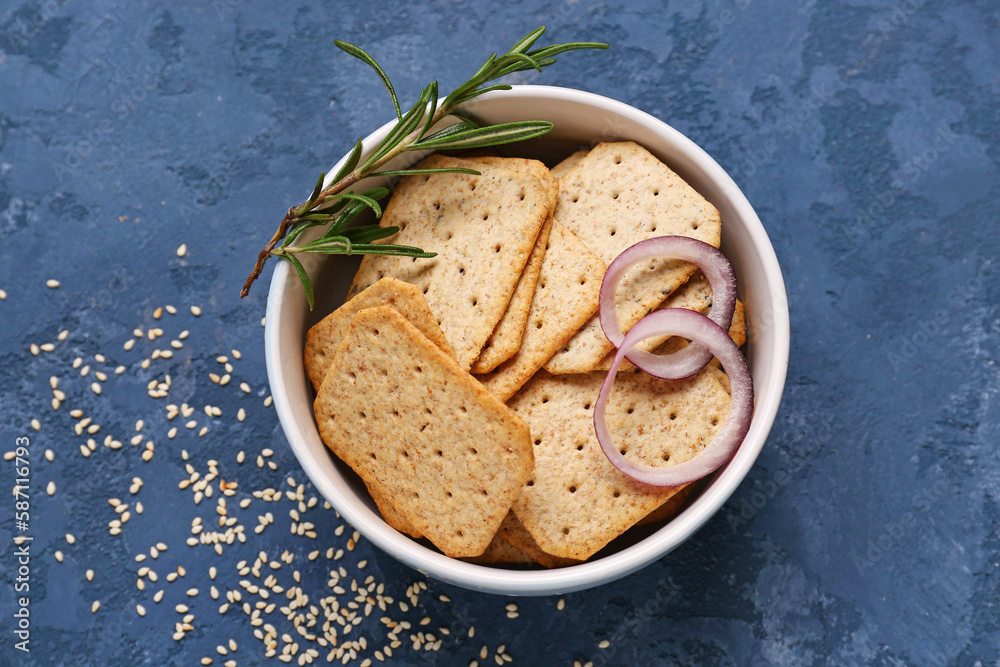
716 267
697 328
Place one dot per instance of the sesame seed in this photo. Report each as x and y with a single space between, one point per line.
51 488
49 455
70 538
96 388
52 283
3 295
94 607
196 311
182 250
561 604
140 610
604 644
181 609
59 556
35 424
90 575
129 344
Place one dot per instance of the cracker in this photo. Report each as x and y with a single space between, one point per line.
514 532
616 196
576 501
419 429
563 167
483 229
567 294
506 337
325 336
669 509
501 551
390 514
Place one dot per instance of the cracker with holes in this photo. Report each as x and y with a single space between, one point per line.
567 294
506 337
483 229
575 501
500 551
614 197
514 532
422 431
563 167
325 336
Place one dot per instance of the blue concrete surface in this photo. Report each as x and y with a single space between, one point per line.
863 131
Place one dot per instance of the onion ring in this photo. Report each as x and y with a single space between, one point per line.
717 269
697 328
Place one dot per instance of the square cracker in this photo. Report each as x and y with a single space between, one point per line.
567 294
614 197
563 167
576 501
514 532
325 336
506 337
483 229
421 430
501 551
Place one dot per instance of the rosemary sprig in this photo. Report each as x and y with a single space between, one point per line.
337 205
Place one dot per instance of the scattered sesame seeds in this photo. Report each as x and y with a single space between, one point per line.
52 283
35 424
140 610
182 250
50 488
561 604
196 311
94 607
70 538
604 644
59 556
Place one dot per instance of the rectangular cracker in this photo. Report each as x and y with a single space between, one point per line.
563 167
569 287
419 429
390 514
325 336
614 197
671 508
506 337
483 229
576 501
501 551
514 532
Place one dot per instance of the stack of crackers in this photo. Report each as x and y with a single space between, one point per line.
461 388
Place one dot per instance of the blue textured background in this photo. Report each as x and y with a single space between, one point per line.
864 132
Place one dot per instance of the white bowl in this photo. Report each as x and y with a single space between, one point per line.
581 120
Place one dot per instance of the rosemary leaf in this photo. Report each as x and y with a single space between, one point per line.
487 136
369 233
352 162
294 234
361 55
527 41
303 277
413 172
367 201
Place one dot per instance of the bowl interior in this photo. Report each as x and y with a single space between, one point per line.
581 120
